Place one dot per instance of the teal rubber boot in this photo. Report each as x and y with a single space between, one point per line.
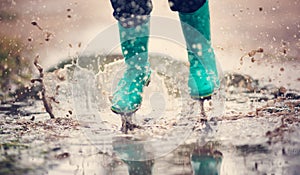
203 77
127 97
132 152
206 164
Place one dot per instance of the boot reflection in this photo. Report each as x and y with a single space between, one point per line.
206 160
132 152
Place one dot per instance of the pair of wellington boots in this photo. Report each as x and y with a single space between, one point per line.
203 75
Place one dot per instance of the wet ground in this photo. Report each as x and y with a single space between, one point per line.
253 127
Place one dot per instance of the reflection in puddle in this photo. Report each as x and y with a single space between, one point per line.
186 159
206 160
134 155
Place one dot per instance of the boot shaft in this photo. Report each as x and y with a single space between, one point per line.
134 44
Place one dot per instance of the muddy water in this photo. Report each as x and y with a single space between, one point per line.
247 133
257 133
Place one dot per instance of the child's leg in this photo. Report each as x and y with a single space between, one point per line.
131 13
186 6
195 20
133 17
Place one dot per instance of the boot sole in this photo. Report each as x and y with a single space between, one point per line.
202 98
116 111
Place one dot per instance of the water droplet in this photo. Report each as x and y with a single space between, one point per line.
34 23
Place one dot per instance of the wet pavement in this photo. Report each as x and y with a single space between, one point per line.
253 123
256 130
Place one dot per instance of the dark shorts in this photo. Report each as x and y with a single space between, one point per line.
133 12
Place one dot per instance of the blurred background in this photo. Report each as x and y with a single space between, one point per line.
59 29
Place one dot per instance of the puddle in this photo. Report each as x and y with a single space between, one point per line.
251 132
253 123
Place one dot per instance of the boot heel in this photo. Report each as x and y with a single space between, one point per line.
205 98
202 98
